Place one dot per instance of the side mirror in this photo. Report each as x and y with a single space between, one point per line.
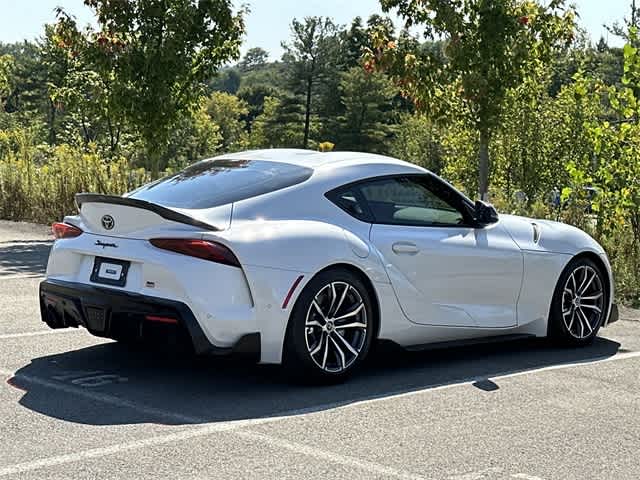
485 213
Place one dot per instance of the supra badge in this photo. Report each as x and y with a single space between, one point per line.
108 222
105 245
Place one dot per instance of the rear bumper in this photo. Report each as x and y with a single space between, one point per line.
117 314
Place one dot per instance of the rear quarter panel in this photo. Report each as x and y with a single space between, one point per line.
274 254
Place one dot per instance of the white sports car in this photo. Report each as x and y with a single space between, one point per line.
307 258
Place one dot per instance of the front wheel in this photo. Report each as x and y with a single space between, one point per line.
579 303
331 328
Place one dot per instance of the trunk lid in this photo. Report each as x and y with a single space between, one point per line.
138 219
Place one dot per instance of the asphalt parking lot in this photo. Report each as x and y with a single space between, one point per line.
75 406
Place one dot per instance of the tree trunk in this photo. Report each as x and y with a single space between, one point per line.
155 168
483 171
51 120
153 162
307 113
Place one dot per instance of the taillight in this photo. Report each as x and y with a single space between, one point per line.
211 251
64 230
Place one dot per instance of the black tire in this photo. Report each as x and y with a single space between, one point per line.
299 363
574 320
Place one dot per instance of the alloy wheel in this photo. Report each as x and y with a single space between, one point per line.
336 326
582 302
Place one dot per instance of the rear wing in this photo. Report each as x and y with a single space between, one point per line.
164 212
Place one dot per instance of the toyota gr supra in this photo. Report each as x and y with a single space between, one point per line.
307 259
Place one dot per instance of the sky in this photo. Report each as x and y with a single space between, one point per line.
268 21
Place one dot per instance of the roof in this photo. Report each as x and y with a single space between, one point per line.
312 159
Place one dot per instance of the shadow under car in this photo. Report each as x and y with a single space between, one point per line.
208 389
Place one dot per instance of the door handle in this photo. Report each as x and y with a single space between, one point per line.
407 248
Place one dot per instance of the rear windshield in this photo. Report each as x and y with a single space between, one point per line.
211 183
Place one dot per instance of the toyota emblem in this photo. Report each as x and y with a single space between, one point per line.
108 222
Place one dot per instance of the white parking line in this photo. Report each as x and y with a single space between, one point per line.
110 450
229 426
484 474
492 472
195 432
39 332
346 460
188 433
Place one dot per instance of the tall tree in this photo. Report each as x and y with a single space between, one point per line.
354 40
419 140
227 80
278 125
307 60
254 58
158 54
195 137
31 76
367 99
228 112
490 46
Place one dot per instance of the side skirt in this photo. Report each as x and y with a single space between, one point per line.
467 342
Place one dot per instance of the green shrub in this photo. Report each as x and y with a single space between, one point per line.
39 185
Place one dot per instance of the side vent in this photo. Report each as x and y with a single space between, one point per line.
536 232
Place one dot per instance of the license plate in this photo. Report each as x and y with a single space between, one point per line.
110 271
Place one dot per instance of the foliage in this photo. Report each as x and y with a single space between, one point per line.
325 146
615 168
278 124
6 68
40 186
258 82
156 54
254 58
368 115
195 137
85 105
420 141
558 113
227 81
227 112
490 45
308 58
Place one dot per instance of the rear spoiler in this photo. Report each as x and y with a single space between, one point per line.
164 212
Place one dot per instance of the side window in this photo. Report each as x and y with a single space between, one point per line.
350 201
408 201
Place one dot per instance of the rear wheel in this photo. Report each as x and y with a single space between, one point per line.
579 303
331 328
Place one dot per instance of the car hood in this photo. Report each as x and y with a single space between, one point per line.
549 236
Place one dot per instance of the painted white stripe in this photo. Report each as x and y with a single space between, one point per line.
484 474
346 460
183 435
459 383
581 363
192 432
168 415
39 332
110 450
